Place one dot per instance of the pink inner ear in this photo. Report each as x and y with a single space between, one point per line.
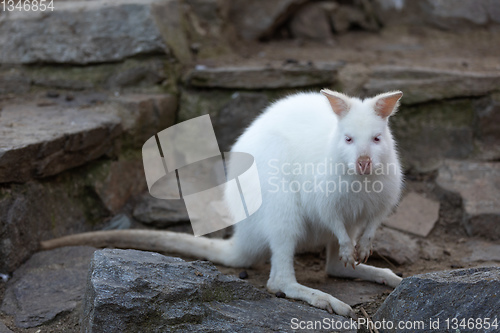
385 106
338 105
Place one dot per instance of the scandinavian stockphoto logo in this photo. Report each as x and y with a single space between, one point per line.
184 162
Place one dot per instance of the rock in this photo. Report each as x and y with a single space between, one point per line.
395 246
83 32
40 141
482 251
128 290
429 133
478 185
421 85
429 250
488 112
44 141
48 284
344 17
160 213
462 294
13 82
254 20
236 116
264 77
301 27
415 214
119 222
457 14
4 329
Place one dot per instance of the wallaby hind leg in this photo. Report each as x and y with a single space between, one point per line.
282 278
334 267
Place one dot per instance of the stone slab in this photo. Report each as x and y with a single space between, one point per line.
82 32
478 183
422 85
41 141
264 77
415 214
48 284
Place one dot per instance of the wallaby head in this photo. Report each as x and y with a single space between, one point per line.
362 140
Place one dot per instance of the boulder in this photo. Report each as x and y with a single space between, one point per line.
83 32
430 302
477 183
129 290
49 284
4 329
301 27
256 19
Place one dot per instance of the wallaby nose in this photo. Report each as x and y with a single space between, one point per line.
364 165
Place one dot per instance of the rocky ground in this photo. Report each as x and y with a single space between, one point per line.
72 124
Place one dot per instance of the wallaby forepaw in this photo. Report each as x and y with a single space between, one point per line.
363 250
347 255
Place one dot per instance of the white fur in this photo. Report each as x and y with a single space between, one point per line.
302 130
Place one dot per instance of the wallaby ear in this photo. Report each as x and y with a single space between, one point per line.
387 104
340 103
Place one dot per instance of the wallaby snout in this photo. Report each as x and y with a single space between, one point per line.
364 165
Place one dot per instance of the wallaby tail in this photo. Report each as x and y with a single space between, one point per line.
219 251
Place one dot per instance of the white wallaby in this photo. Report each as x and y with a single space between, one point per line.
329 174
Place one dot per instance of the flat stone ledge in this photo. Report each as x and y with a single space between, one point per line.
264 77
82 32
422 85
47 136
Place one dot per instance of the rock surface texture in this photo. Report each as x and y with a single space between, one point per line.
478 183
426 298
49 284
128 291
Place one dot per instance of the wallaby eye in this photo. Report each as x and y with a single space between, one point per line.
376 139
348 139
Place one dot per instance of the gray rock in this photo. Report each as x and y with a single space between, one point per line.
81 33
119 222
264 77
13 82
395 246
461 294
129 290
431 132
478 185
482 251
301 27
39 141
48 284
45 138
160 213
236 116
415 214
429 84
254 19
4 329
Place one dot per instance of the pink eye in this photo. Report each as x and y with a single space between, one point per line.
376 139
348 139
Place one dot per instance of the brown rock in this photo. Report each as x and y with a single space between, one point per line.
311 23
415 214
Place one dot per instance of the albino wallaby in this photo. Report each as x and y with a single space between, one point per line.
329 175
